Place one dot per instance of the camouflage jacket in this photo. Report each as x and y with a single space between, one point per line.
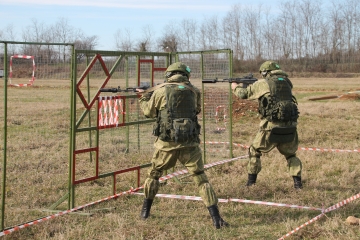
157 102
257 90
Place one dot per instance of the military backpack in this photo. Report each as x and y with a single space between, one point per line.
178 121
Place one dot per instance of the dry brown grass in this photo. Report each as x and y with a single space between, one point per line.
37 168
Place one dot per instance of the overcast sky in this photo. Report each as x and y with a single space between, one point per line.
104 17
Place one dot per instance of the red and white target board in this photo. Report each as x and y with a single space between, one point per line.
31 81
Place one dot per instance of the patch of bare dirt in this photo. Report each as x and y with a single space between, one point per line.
350 96
242 107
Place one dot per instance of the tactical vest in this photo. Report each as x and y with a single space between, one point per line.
279 105
178 121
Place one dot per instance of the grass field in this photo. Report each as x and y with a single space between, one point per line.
37 174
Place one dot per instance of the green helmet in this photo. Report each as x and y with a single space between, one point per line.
269 66
177 67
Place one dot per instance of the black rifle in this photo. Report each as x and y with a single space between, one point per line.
118 89
246 80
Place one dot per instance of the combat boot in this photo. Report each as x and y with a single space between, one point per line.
251 179
297 182
145 210
218 222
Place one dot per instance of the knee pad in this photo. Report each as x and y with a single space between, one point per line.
253 153
154 174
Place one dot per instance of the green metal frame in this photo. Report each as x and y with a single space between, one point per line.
3 195
74 125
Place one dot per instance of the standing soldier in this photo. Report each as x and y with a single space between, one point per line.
175 105
279 113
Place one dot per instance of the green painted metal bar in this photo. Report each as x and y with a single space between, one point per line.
3 195
37 43
71 188
89 114
82 117
225 50
116 53
230 103
117 62
203 109
127 104
58 202
137 77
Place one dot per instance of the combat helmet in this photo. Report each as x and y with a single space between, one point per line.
177 68
269 66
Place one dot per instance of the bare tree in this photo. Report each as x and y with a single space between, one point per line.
287 26
64 33
188 30
231 32
336 26
253 32
123 40
9 34
170 40
209 33
86 43
350 14
35 32
145 43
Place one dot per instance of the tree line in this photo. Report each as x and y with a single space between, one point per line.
304 35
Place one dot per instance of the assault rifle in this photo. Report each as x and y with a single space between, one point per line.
246 80
128 89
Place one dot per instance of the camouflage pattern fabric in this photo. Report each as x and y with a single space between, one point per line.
261 143
191 158
166 154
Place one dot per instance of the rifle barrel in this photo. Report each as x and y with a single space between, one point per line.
209 80
113 90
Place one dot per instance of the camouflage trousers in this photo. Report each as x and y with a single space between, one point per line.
261 145
191 158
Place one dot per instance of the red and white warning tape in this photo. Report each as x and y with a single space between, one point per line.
328 150
221 108
133 191
110 110
336 206
13 229
300 148
33 71
8 231
194 198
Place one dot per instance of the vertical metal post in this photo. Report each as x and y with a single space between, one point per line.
126 104
230 103
89 113
203 107
138 77
71 188
5 141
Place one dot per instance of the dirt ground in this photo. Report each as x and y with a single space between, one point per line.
242 107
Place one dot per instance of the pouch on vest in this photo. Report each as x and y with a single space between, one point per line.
282 134
183 130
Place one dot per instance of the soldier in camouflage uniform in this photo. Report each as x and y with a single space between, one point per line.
175 105
278 111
